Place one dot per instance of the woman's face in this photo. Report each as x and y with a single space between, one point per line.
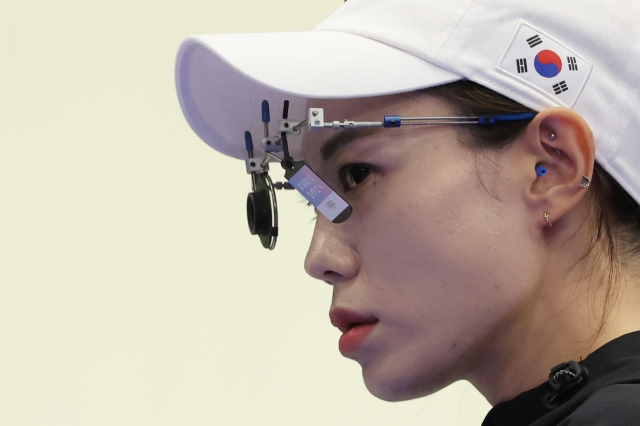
439 248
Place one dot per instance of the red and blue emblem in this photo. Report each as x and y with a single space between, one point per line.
548 64
539 60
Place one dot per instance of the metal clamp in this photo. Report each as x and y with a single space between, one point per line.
272 144
289 126
316 119
257 164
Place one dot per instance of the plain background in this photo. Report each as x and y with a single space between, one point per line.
131 292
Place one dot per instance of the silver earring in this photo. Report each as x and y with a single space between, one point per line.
552 136
586 182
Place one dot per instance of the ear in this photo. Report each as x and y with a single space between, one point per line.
560 140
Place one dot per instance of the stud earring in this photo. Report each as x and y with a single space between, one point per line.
586 182
546 216
552 136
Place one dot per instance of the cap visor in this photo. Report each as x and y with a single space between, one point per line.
222 79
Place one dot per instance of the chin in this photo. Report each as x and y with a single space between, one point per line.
396 387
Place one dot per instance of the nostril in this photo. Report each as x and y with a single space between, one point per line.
330 277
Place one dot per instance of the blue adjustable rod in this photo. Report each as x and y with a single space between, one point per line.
266 117
248 143
482 120
397 121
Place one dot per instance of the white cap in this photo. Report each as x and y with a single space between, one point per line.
580 54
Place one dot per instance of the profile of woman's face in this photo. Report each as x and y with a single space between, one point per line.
437 248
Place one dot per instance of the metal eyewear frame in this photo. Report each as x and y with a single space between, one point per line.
262 206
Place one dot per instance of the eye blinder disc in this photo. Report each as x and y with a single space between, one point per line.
262 211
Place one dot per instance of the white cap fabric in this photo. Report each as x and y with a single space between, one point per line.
579 54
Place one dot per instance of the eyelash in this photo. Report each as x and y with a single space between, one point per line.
305 201
308 203
343 176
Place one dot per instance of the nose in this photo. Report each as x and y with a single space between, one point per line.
330 258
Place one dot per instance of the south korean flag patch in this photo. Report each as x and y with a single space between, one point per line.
539 60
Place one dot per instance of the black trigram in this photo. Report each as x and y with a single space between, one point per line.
573 66
560 87
522 65
534 41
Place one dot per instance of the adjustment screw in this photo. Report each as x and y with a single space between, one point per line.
314 113
317 122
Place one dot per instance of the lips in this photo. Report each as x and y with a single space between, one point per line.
345 319
355 328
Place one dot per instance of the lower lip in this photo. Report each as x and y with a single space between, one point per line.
351 339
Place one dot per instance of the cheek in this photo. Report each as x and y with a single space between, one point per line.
430 220
443 255
423 233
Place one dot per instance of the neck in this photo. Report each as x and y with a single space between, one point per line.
561 321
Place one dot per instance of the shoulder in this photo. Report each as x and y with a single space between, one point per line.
617 404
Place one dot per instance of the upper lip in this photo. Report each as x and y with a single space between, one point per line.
345 319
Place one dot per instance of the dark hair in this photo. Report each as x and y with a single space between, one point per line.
615 231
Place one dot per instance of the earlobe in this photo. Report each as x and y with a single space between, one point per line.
561 152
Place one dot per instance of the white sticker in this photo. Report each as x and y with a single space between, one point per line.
332 206
536 58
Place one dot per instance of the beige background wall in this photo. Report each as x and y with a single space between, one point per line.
131 292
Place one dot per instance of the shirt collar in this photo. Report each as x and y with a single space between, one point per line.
617 361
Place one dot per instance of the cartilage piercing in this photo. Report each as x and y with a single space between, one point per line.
586 182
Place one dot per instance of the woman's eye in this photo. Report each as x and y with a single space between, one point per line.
352 175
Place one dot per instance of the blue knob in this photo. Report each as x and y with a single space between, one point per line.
392 121
265 112
248 142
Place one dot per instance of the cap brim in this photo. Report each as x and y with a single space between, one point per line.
222 79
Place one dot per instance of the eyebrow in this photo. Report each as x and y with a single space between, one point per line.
337 142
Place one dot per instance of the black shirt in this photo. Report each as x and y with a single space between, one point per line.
609 395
